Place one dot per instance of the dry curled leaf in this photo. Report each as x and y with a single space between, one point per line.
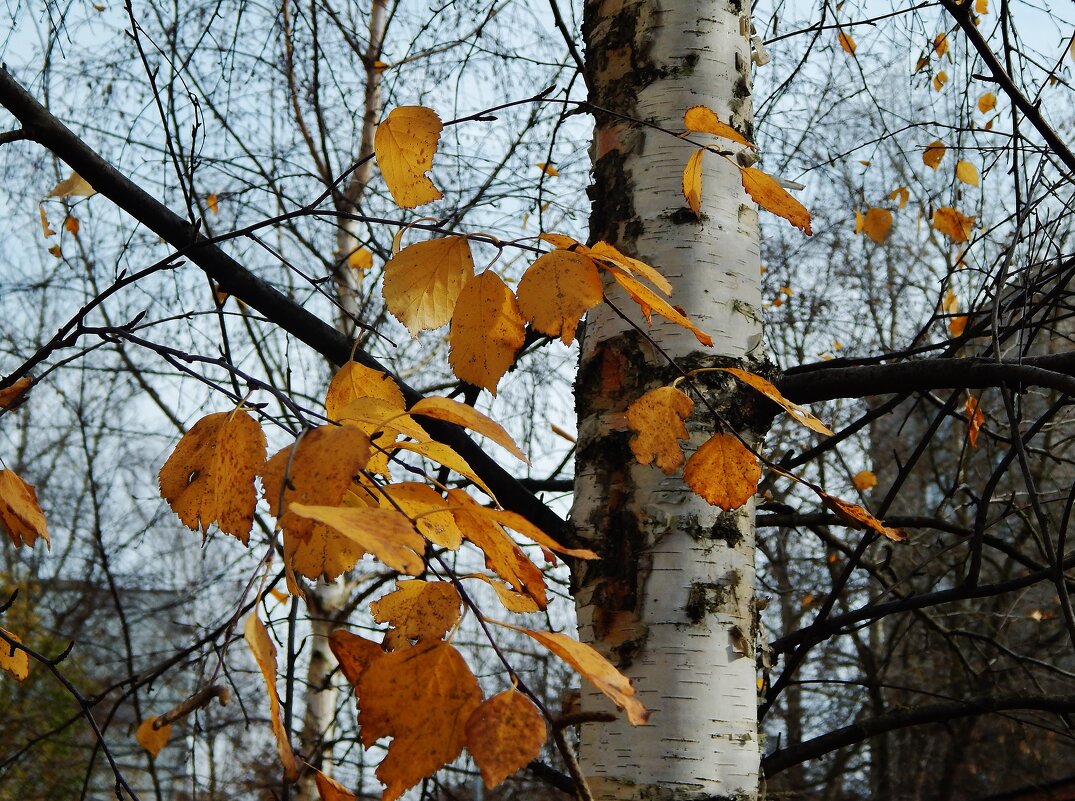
657 422
692 181
723 472
847 44
20 514
701 119
975 419
767 389
264 651
328 789
901 194
649 301
772 197
73 185
209 478
405 144
858 518
14 395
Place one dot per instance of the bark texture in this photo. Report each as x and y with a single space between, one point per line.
671 601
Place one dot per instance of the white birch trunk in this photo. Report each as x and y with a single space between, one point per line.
672 599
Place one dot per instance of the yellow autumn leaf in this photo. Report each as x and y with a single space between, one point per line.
516 522
424 505
656 420
14 660
504 735
385 533
72 225
723 472
153 739
405 144
355 380
940 44
264 651
380 416
423 281
952 224
548 169
318 470
444 455
692 181
354 653
856 517
556 290
975 419
212 202
73 185
328 789
420 610
12 396
967 173
20 514
46 228
701 119
209 478
987 102
422 697
487 331
877 224
772 197
510 599
605 253
360 260
864 480
649 301
591 666
933 153
900 193
860 221
939 80
502 555
957 325
767 389
56 251
981 6
462 414
847 44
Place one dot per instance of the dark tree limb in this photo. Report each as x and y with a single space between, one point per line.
42 127
905 718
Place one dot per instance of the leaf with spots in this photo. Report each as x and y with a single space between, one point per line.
405 144
422 282
20 514
504 735
420 610
723 472
657 422
487 331
556 290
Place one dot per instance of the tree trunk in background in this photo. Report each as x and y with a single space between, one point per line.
671 601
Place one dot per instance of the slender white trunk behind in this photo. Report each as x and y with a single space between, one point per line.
672 599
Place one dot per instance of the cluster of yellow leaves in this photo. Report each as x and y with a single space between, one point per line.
429 284
765 190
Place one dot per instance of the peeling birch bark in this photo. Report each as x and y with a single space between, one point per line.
672 599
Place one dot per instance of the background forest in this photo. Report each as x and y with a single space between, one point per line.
937 348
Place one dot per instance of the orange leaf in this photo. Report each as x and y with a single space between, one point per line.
723 472
952 224
650 301
328 789
355 380
657 422
593 667
864 480
847 43
487 331
933 153
385 533
556 290
957 325
510 599
354 653
405 144
151 739
72 225
692 181
975 419
516 522
605 252
209 478
700 119
772 197
878 224
420 610
939 80
502 555
319 471
987 102
424 505
212 202
504 734
858 518
46 228
800 414
12 396
257 637
360 260
967 173
940 44
461 414
20 513
14 660
73 185
548 169
423 281
422 698
981 6
900 193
